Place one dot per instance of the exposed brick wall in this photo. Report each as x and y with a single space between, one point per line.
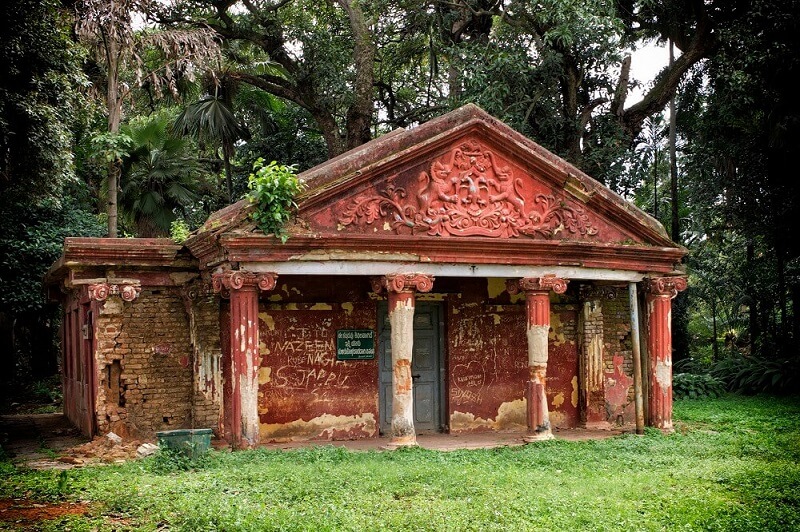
618 358
207 363
144 362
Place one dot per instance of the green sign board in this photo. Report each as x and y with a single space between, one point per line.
355 344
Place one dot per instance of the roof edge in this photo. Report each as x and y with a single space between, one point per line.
122 253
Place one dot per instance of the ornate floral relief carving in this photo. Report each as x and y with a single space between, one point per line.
666 286
236 279
403 282
101 291
469 194
544 283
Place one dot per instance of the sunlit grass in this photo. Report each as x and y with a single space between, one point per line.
732 464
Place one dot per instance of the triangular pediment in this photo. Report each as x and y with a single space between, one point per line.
473 178
462 188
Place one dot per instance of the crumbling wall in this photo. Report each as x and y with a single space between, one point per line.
618 359
207 402
144 364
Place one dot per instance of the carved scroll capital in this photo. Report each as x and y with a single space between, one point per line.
544 283
101 291
403 282
224 282
665 286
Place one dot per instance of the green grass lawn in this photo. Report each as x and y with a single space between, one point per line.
732 464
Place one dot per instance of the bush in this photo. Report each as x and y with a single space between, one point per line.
272 190
693 386
754 374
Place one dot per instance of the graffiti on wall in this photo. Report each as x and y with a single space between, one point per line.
304 391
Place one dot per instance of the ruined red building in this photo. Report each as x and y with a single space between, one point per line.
454 277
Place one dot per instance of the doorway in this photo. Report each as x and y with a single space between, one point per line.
427 367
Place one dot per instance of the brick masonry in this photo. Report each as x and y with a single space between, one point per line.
144 364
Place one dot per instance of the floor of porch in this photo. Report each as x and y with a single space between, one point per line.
453 442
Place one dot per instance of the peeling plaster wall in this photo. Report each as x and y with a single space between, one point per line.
144 364
487 359
304 392
618 360
207 402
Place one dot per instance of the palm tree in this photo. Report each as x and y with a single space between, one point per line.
211 120
159 178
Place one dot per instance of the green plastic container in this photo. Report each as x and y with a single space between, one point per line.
191 442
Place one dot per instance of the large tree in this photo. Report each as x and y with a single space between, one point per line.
745 138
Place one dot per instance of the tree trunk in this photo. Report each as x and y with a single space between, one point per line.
655 182
714 346
780 267
114 106
570 82
673 163
754 323
702 43
226 160
359 113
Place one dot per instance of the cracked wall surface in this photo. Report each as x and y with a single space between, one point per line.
618 360
205 336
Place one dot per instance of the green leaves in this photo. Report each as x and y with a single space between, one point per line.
111 147
693 386
272 190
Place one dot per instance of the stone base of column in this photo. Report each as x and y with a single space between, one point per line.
396 443
541 436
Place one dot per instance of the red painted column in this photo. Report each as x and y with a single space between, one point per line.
243 289
660 292
401 290
537 302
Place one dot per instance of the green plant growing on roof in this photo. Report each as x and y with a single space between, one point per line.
273 188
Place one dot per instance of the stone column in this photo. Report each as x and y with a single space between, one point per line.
537 301
401 290
243 289
660 292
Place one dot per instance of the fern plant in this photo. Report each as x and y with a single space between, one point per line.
273 188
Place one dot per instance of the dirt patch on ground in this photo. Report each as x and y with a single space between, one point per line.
26 513
49 441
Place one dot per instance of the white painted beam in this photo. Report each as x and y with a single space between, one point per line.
342 267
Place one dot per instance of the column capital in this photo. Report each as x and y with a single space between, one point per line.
229 280
665 286
101 291
403 282
544 283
